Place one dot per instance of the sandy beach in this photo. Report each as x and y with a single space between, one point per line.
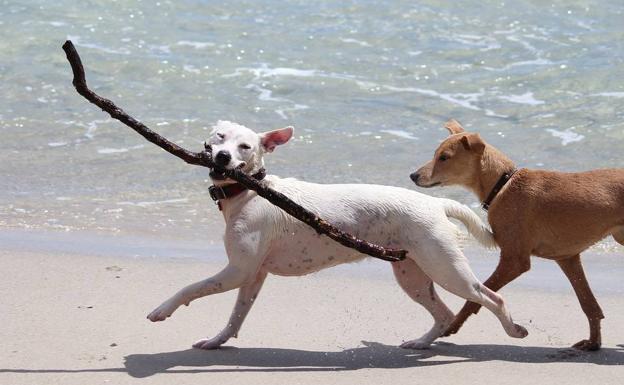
74 318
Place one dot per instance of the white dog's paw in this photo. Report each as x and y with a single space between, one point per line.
210 343
419 343
518 332
163 311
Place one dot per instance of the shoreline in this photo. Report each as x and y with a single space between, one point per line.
603 268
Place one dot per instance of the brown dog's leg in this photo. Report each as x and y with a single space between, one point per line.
618 235
508 269
573 269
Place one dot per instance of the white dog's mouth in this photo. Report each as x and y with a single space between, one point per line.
217 173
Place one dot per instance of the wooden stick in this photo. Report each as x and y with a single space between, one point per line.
204 158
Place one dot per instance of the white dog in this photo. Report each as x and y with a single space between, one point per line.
260 238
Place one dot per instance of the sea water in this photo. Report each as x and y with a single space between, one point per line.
367 85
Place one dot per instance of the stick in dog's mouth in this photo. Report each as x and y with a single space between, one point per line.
218 173
204 159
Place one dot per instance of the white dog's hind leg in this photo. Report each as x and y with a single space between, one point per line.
419 287
229 278
246 296
457 277
495 303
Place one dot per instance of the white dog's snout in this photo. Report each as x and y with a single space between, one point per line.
223 157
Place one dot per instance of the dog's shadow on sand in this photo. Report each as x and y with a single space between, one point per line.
371 355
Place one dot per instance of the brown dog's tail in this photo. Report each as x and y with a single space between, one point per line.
473 223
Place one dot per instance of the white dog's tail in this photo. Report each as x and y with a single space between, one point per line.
473 223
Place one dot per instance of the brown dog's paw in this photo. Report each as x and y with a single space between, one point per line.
452 329
587 345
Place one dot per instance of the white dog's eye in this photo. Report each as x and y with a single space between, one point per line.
220 135
244 146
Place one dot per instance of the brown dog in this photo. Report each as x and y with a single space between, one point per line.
549 214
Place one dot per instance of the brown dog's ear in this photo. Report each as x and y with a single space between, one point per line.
454 127
473 142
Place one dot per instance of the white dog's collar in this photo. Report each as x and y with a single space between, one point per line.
219 193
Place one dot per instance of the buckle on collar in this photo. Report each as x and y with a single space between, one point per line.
216 193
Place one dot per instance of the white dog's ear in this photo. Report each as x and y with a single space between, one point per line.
272 139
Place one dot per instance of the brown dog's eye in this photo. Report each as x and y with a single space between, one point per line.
443 157
244 146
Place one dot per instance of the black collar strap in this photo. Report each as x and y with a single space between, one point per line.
497 187
218 193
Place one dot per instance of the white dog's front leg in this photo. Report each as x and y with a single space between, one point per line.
227 279
246 296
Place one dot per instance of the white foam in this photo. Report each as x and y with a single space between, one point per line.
367 85
265 71
584 25
484 43
464 100
529 47
191 69
112 150
78 43
400 134
57 144
492 113
161 48
355 41
282 111
526 98
91 126
567 136
535 62
196 44
284 71
118 150
265 94
610 94
152 203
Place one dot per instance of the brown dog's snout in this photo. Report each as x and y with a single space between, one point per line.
414 177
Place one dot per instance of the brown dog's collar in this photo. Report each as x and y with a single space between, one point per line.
497 187
218 193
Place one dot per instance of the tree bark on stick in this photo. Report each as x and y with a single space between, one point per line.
204 158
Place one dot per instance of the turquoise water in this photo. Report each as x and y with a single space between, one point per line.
367 85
